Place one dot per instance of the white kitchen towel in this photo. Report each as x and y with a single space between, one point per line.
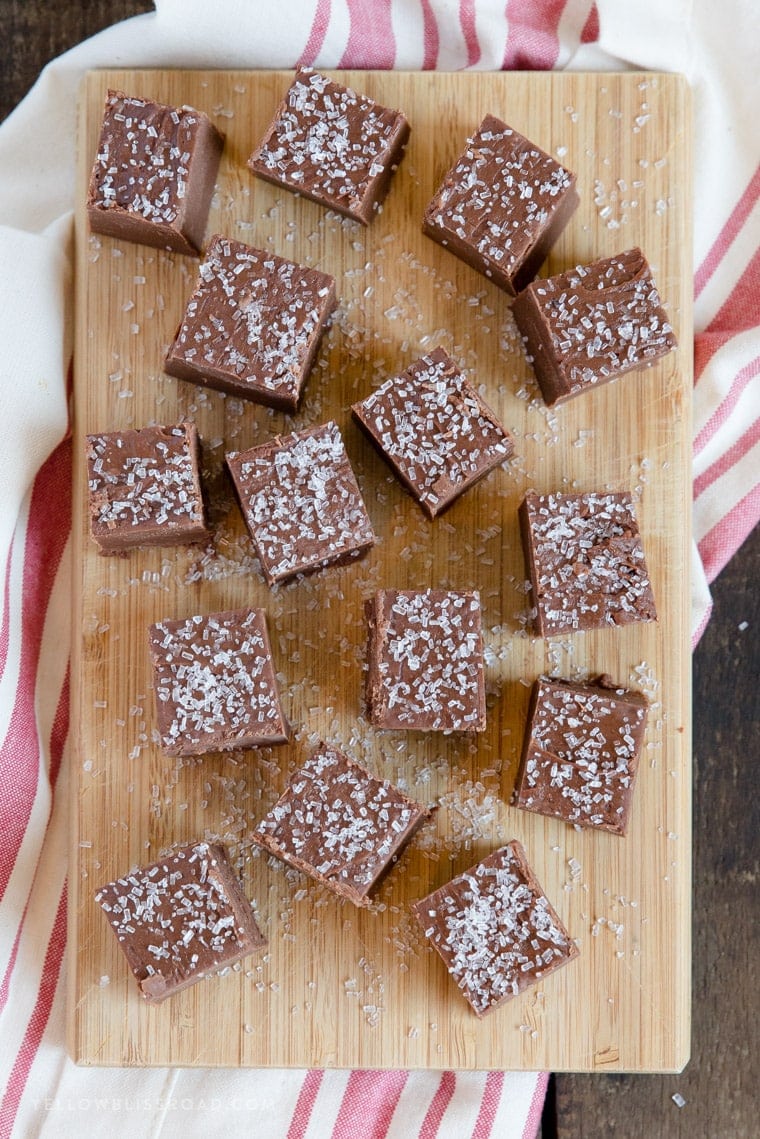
43 1093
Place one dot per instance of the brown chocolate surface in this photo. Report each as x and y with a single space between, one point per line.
592 324
502 205
215 684
301 502
339 824
434 430
330 144
253 325
144 488
495 930
585 561
425 661
154 173
180 919
581 752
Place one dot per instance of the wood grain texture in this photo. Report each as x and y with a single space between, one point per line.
33 32
338 987
719 1085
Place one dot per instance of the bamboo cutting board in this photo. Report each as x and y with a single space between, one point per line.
339 987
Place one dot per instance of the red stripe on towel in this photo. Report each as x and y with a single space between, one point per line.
728 233
37 1022
369 1102
489 1105
438 1105
730 400
305 1104
725 538
371 42
319 26
431 36
47 533
532 42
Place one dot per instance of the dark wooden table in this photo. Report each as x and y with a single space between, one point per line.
720 1084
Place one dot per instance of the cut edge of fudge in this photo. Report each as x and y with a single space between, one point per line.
183 228
181 739
339 879
144 960
282 396
379 704
355 535
581 808
444 492
361 206
572 354
114 538
638 600
474 972
546 230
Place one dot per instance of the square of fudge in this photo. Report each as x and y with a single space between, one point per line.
253 325
154 173
585 562
434 430
340 825
180 919
591 324
425 660
495 929
144 488
581 752
330 144
502 205
215 683
301 502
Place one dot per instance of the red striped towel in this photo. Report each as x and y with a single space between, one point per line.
42 1092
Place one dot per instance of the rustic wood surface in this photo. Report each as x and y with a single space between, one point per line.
720 1081
624 1004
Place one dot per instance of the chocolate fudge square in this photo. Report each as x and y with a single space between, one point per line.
585 561
330 144
581 752
339 824
253 325
154 173
301 502
215 683
495 930
144 488
434 430
425 661
592 324
180 919
502 205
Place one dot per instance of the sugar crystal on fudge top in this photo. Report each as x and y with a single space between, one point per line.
144 487
332 145
425 660
581 752
585 561
253 324
433 428
593 323
494 929
301 502
502 205
340 824
180 918
154 173
215 683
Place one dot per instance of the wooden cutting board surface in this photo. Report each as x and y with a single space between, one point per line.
339 987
